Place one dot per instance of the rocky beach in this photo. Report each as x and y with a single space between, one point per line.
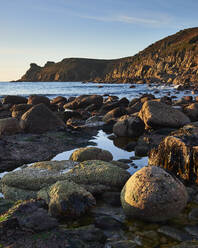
90 199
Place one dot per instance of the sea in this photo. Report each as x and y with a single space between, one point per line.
69 89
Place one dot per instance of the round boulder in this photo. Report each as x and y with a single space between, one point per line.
39 119
91 153
152 194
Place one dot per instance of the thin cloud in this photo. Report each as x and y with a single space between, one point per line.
128 19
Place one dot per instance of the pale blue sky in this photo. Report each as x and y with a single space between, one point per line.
50 30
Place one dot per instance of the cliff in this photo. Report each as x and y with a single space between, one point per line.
173 59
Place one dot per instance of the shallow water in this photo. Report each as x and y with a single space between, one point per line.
67 89
102 141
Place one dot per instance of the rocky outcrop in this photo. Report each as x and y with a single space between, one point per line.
154 195
173 59
178 153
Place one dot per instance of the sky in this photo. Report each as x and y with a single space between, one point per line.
36 31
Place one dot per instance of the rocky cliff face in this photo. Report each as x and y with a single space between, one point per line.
173 59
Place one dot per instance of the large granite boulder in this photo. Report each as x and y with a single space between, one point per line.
24 184
36 99
40 119
67 199
91 153
98 176
14 100
9 126
132 127
152 194
178 153
83 101
156 114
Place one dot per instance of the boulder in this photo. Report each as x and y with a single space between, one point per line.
114 114
31 215
98 176
25 183
14 100
58 99
192 111
9 126
67 199
178 153
157 114
83 101
91 153
36 99
19 109
152 194
40 119
132 127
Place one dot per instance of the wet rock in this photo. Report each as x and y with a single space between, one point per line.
107 222
131 127
98 176
156 114
87 233
154 195
91 153
67 199
178 153
14 100
9 126
36 99
40 119
175 233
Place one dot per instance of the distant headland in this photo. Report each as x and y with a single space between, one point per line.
173 59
